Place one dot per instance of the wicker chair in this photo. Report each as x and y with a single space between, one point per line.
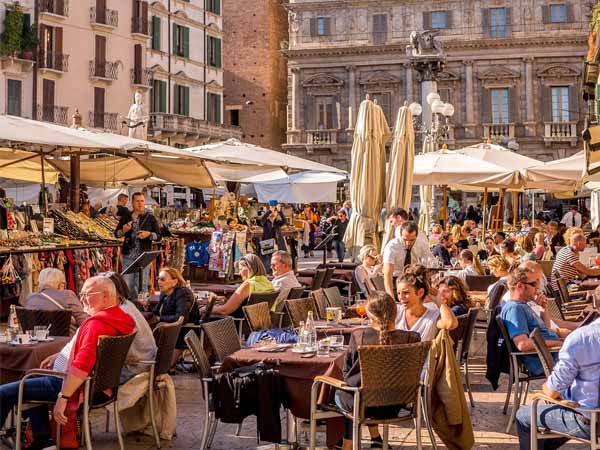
265 297
390 375
165 335
334 298
567 298
462 340
205 373
317 280
378 282
327 277
258 317
543 351
320 303
222 336
298 310
59 318
518 375
110 358
296 292
479 282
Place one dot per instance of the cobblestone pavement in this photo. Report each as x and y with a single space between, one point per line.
488 421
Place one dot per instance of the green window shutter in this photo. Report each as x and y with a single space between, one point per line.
155 33
162 92
218 109
186 42
217 43
186 101
217 7
176 99
175 40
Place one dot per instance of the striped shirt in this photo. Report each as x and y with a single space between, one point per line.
565 265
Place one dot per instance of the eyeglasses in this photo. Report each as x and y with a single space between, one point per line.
372 256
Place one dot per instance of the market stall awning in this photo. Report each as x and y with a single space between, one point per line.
25 166
236 152
304 187
448 168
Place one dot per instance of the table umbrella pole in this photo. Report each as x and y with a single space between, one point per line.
44 198
515 198
485 198
444 210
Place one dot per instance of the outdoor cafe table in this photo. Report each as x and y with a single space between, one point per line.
15 360
345 328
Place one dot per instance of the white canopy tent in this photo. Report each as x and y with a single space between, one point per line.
304 187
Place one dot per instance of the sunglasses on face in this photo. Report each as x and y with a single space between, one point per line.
530 283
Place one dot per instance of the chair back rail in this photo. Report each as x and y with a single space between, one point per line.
165 335
334 297
317 280
320 302
391 374
59 318
543 351
378 282
296 292
258 316
479 282
468 336
554 310
327 277
222 336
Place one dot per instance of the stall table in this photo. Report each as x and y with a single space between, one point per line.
15 360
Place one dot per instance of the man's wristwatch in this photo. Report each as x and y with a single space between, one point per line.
61 395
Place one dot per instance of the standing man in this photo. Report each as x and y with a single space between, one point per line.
122 210
311 220
401 251
572 218
338 228
139 229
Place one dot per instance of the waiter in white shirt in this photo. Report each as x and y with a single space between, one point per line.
401 251
572 218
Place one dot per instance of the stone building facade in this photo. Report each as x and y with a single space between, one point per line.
513 71
255 77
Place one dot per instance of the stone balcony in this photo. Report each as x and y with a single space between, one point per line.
323 139
103 70
498 131
560 132
141 78
163 125
53 61
57 8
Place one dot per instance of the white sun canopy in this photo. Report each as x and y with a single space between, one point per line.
304 187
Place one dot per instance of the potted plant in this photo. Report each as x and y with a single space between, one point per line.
11 38
29 42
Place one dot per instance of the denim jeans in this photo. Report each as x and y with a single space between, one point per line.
132 279
40 388
340 249
554 417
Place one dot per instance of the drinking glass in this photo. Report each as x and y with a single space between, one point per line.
40 333
323 348
336 342
361 310
453 262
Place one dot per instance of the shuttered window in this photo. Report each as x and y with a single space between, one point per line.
384 99
439 20
13 105
498 23
181 40
380 29
214 6
155 33
558 13
181 100
158 99
213 49
320 26
213 108
560 104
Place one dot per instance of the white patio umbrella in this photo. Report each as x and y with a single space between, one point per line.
367 188
400 167
561 174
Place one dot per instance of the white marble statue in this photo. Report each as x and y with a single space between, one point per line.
136 120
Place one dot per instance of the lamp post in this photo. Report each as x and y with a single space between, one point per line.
437 126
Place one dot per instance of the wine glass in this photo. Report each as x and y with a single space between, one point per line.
361 310
453 262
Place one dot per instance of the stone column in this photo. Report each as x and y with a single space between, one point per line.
295 98
470 105
409 83
529 97
352 106
427 87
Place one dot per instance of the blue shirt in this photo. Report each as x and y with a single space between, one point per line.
518 319
196 253
576 375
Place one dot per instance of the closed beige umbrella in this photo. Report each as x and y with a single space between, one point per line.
426 193
400 167
367 188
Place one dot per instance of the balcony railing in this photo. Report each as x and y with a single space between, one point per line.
560 131
321 137
53 113
53 61
58 7
106 121
190 127
140 25
141 77
104 70
498 130
104 16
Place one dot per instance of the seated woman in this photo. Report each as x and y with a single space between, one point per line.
489 251
507 250
460 235
469 264
368 269
413 315
255 280
499 267
381 309
453 292
54 296
143 347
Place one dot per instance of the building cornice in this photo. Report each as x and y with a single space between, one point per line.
481 44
